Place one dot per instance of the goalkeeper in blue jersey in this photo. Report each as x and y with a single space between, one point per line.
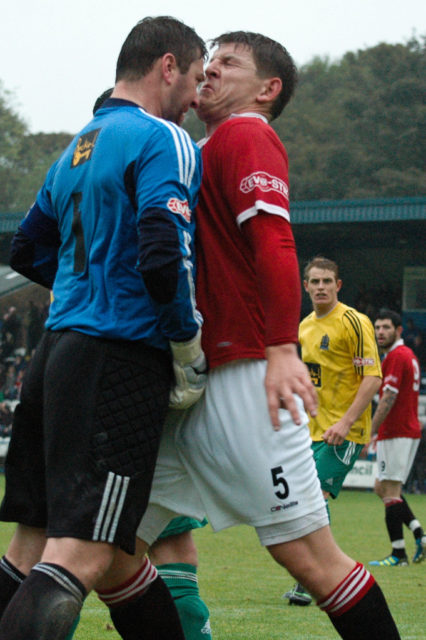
174 553
111 232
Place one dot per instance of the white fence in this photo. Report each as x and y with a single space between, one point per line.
362 475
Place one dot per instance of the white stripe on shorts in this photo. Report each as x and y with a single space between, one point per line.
347 458
111 507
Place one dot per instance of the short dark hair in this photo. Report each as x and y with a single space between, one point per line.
101 99
150 39
271 58
388 314
321 263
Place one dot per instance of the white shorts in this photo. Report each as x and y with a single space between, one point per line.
223 459
395 458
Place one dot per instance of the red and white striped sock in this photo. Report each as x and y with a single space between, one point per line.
132 588
350 591
358 609
388 502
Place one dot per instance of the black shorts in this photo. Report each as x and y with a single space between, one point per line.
85 437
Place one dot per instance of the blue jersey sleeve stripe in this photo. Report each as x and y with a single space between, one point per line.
179 140
191 151
189 156
185 160
198 319
193 163
178 151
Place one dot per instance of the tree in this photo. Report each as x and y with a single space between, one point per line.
194 126
356 127
24 157
36 154
12 132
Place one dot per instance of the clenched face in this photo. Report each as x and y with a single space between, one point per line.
231 84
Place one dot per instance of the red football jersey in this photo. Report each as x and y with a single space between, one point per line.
245 171
401 374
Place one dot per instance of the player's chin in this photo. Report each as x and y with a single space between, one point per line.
177 118
202 112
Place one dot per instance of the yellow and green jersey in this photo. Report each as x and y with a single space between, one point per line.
339 350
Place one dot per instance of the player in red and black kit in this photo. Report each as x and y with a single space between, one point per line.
243 453
399 431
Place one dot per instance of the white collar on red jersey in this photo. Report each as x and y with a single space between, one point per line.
396 344
202 142
248 114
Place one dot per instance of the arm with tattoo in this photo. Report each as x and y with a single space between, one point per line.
386 403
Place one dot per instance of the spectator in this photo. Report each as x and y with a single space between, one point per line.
10 390
11 330
6 416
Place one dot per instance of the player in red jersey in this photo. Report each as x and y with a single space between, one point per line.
396 420
245 451
243 454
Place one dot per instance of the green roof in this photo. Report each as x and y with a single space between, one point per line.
363 210
318 211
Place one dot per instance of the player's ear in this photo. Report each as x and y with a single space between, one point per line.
168 67
339 285
270 89
305 285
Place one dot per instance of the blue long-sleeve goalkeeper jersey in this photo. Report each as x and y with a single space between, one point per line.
112 230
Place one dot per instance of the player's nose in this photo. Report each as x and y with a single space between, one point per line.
212 70
195 102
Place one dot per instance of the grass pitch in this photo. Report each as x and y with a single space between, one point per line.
243 586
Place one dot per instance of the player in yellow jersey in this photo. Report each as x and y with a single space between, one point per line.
339 348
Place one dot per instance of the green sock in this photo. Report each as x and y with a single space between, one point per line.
73 628
181 580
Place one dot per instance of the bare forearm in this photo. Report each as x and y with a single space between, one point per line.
367 389
338 432
385 405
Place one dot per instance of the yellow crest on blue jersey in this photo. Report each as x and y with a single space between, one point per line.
84 148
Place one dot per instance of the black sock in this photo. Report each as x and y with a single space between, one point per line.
368 618
408 517
151 616
394 522
10 580
45 605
